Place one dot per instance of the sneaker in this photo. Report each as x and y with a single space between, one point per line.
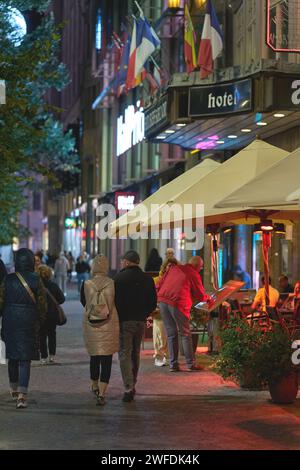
100 401
174 369
52 360
43 362
159 363
14 395
195 368
21 403
95 391
128 396
165 361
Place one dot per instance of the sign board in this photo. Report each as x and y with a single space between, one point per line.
130 129
220 296
282 93
283 25
217 100
125 201
157 117
2 92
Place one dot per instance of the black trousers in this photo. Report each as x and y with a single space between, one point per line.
103 362
48 340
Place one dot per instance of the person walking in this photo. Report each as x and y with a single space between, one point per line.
135 300
48 330
83 270
102 338
71 261
179 288
23 309
61 272
154 261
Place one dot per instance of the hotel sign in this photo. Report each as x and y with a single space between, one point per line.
130 129
216 100
283 25
157 117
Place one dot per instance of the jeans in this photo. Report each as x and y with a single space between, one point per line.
62 282
176 322
19 375
131 336
81 277
106 363
48 335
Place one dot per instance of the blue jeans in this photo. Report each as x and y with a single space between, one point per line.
177 323
19 375
81 277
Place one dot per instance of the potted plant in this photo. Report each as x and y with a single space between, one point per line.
275 365
255 358
238 359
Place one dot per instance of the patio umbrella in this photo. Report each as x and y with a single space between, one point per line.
277 186
121 226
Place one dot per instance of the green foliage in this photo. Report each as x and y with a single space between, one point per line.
32 141
253 357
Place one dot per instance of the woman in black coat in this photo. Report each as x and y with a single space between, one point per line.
154 261
48 330
23 311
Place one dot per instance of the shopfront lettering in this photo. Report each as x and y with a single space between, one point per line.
227 98
156 116
130 129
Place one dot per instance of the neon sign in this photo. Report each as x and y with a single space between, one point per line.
282 25
130 129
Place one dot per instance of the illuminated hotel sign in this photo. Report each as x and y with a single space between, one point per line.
228 98
283 25
130 129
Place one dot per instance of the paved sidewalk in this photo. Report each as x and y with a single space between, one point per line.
171 411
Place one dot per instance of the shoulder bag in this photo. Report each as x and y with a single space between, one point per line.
61 316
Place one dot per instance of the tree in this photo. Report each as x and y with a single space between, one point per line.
32 141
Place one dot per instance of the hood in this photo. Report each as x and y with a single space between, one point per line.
24 260
3 271
100 265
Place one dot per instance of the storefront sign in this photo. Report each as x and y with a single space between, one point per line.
156 117
130 129
228 98
282 25
125 201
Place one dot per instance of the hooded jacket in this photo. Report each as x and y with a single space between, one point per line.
21 317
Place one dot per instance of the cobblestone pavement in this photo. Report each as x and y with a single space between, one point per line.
171 411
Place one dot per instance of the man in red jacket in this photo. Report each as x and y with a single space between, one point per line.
180 287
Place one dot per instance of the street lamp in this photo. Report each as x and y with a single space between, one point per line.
174 4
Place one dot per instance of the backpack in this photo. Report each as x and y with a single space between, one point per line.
97 309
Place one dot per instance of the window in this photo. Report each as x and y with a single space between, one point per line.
99 30
36 201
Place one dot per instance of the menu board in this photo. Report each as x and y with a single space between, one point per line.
220 296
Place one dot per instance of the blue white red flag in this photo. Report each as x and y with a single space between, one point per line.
143 43
212 41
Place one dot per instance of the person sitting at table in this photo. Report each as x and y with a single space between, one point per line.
284 286
259 302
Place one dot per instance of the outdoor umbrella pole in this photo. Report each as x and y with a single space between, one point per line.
265 248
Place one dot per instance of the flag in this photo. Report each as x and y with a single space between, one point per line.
143 43
159 76
121 76
154 87
189 41
212 41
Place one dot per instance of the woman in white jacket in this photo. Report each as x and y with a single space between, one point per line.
101 339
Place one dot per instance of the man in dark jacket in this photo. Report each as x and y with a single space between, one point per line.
135 299
23 310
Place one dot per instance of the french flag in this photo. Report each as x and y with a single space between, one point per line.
143 43
212 41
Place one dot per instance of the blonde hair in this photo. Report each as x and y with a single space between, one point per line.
165 265
100 265
45 272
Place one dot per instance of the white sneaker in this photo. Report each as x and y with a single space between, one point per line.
51 360
159 363
43 362
165 361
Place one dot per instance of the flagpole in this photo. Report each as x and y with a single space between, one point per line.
143 16
139 8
